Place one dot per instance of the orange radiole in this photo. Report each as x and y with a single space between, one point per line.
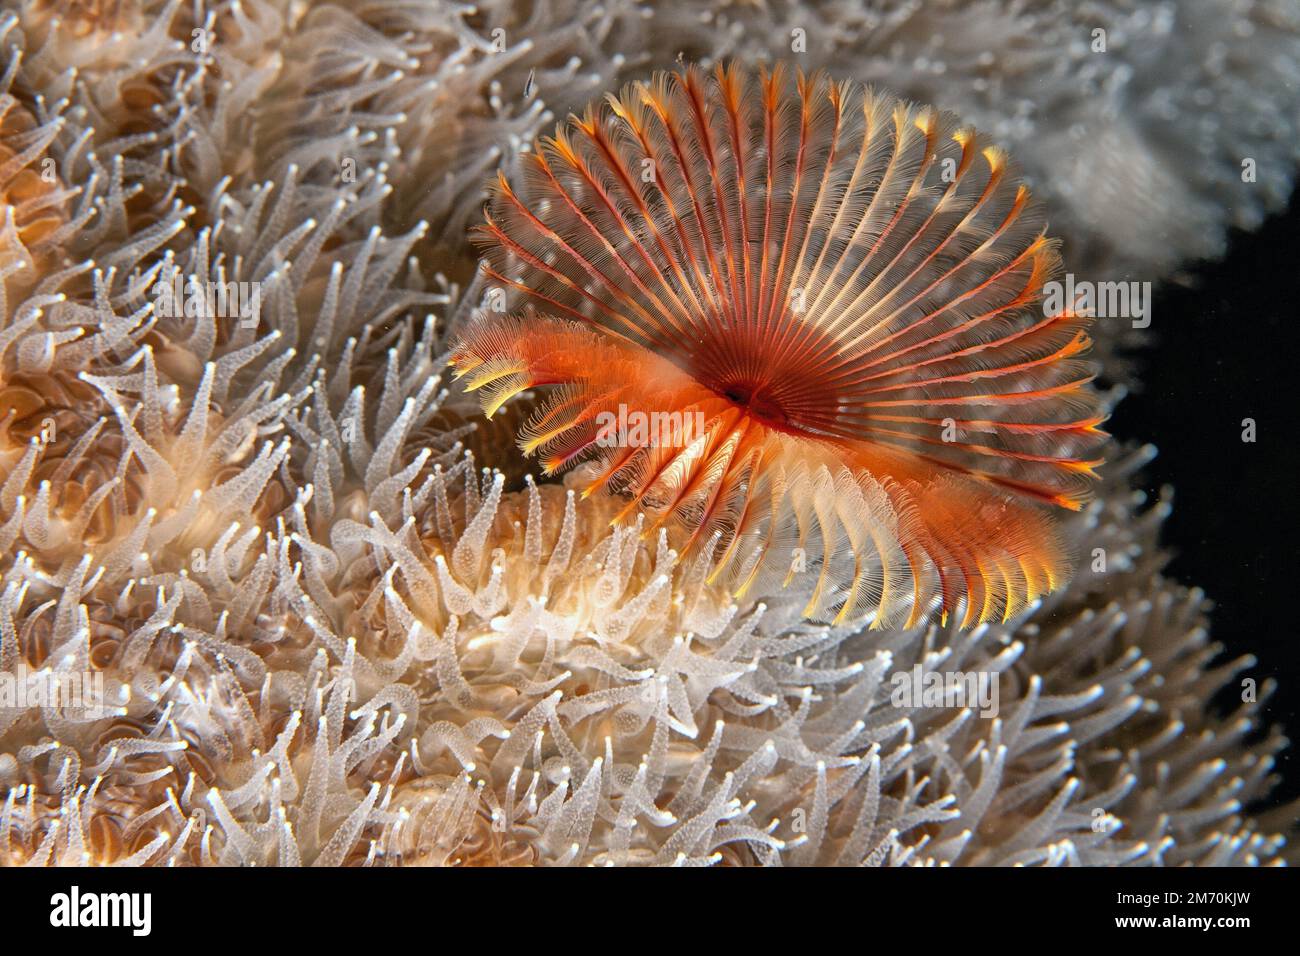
847 291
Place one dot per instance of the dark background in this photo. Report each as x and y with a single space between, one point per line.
1225 348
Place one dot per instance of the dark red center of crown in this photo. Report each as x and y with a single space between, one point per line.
794 387
758 403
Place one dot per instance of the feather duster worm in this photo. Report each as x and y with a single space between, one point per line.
844 291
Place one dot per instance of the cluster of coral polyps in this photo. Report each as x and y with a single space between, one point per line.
308 627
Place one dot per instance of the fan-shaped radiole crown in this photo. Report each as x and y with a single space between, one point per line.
802 322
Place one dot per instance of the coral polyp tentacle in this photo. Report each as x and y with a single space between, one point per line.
803 321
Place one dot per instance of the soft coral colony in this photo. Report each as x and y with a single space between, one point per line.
326 634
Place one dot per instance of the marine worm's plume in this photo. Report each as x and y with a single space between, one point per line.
845 292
